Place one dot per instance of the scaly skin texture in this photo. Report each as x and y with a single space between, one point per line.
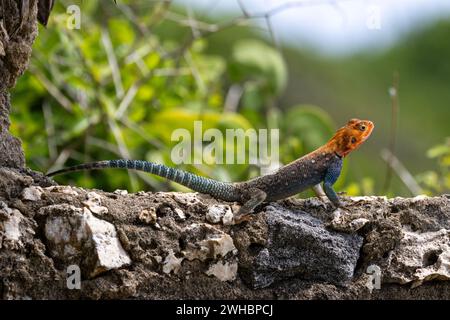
322 165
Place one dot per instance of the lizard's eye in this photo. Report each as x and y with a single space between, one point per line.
353 140
362 127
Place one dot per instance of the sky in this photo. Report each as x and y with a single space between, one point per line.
335 26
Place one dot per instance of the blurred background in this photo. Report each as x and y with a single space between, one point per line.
136 71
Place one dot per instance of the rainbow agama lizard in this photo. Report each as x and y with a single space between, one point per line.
322 165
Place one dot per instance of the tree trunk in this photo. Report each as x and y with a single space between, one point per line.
18 29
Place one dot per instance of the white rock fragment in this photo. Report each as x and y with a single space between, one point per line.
63 189
224 271
217 212
10 230
426 255
172 263
94 203
368 198
15 229
11 227
180 214
337 216
121 192
205 242
148 216
357 224
214 214
222 244
419 198
33 193
2 50
186 198
110 252
227 219
76 235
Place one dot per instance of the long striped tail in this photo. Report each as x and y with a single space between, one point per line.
217 189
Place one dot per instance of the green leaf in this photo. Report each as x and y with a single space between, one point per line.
308 123
256 61
438 151
121 32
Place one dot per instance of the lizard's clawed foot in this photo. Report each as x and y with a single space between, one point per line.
342 209
349 203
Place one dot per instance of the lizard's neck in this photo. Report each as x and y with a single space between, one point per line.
329 148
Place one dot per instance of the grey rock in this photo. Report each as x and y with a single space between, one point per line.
420 257
300 246
284 252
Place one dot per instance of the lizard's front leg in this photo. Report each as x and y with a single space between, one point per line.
331 177
254 197
332 195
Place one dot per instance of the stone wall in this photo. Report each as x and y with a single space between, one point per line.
183 246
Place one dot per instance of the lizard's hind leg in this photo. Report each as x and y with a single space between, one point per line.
255 197
318 190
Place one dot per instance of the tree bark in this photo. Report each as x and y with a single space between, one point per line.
18 30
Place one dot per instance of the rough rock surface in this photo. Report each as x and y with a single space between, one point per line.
163 245
75 236
299 245
16 39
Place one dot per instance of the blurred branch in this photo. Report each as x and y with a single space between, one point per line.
131 16
61 159
103 144
401 171
159 13
112 60
192 22
243 9
50 130
133 126
206 29
132 91
233 97
194 70
296 4
393 93
52 89
272 34
127 99
123 149
186 22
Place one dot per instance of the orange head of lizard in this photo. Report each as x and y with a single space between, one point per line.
350 137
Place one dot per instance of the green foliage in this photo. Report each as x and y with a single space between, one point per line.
106 91
115 89
260 66
309 123
436 182
365 187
